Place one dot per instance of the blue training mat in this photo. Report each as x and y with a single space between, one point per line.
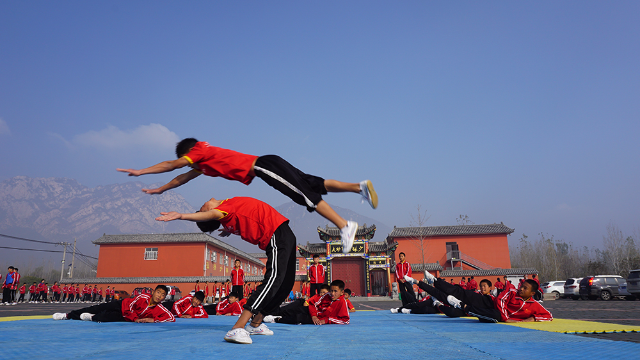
371 335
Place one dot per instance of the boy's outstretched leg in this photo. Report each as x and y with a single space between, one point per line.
364 188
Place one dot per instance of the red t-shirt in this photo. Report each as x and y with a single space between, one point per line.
215 161
252 219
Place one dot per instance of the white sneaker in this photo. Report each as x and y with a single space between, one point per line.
410 280
239 335
367 192
271 318
262 329
348 235
429 279
86 316
454 302
14 303
406 311
59 316
436 302
394 310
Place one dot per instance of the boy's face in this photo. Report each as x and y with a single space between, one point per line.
323 291
346 296
237 264
485 289
525 291
232 299
158 295
316 260
401 257
336 292
195 302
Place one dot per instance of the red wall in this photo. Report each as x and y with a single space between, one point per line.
127 260
490 249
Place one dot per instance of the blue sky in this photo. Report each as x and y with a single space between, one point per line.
521 113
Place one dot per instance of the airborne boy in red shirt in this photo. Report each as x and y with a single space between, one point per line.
303 189
257 223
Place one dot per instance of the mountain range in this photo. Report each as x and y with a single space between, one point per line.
61 209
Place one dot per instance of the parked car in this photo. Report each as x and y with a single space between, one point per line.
120 294
553 287
572 288
604 287
633 283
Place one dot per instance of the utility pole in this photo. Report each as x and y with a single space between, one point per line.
73 259
64 253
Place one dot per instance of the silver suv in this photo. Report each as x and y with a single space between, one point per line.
572 288
604 287
633 283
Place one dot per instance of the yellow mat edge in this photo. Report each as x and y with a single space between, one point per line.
589 327
30 317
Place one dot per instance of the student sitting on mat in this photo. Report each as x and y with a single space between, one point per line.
188 307
330 308
141 309
480 304
519 305
229 306
347 295
303 189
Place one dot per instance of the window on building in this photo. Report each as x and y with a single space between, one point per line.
151 254
214 256
297 264
226 260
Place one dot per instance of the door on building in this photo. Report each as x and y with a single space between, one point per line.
379 283
351 271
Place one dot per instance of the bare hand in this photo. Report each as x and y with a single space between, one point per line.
131 172
169 216
145 320
316 321
186 316
153 191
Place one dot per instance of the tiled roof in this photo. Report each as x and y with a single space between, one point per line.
335 232
450 230
380 246
423 267
493 272
316 248
164 280
173 238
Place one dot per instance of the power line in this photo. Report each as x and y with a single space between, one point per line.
23 239
13 248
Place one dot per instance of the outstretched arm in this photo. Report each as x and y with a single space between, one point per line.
177 181
162 167
195 217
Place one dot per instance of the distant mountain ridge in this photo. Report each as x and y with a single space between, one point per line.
61 209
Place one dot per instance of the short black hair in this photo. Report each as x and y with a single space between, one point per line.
316 256
183 147
163 288
208 226
234 294
402 254
15 268
237 260
486 281
471 277
325 287
338 283
347 291
534 285
197 281
11 268
199 295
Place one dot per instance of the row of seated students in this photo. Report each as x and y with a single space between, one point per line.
329 308
509 305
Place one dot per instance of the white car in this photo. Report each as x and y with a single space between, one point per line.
553 287
572 288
